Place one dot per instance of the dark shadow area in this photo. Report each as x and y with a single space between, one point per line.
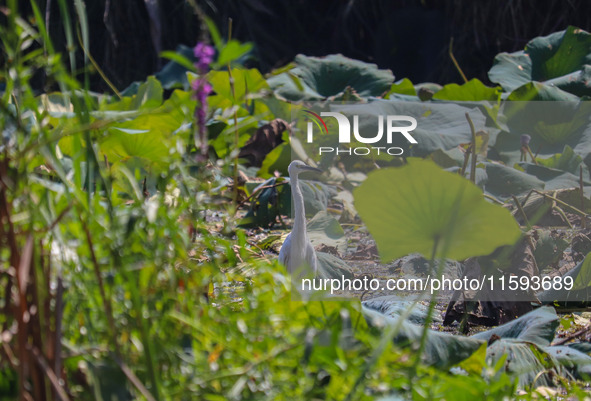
410 37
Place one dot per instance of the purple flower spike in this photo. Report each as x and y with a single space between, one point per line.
204 54
201 88
525 140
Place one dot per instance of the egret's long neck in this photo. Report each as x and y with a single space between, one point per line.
299 224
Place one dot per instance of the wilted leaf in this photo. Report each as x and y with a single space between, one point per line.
265 139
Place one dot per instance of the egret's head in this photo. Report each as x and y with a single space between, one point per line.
298 166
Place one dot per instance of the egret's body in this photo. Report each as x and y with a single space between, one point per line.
297 252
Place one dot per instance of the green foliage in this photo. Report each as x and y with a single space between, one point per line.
315 78
134 281
559 59
565 161
430 211
402 87
473 90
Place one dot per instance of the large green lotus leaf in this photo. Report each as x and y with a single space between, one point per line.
522 343
316 195
396 306
537 91
537 326
224 140
419 208
565 161
148 146
577 362
559 58
440 125
511 70
402 87
332 267
150 138
315 78
581 285
578 83
529 362
174 73
471 91
246 83
559 54
276 160
553 178
551 126
503 181
323 229
441 349
149 95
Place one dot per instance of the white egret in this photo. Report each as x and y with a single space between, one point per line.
297 251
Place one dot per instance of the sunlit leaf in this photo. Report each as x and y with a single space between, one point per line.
472 91
421 208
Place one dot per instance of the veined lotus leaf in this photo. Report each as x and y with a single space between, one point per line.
471 91
560 59
421 208
315 78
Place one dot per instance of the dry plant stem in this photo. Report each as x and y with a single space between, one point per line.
473 150
134 379
572 336
583 219
236 136
59 309
15 262
453 59
574 209
98 68
492 198
533 159
563 215
466 158
521 211
51 375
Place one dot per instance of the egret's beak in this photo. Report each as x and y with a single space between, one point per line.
311 169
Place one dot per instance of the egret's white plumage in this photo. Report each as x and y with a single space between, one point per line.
297 252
